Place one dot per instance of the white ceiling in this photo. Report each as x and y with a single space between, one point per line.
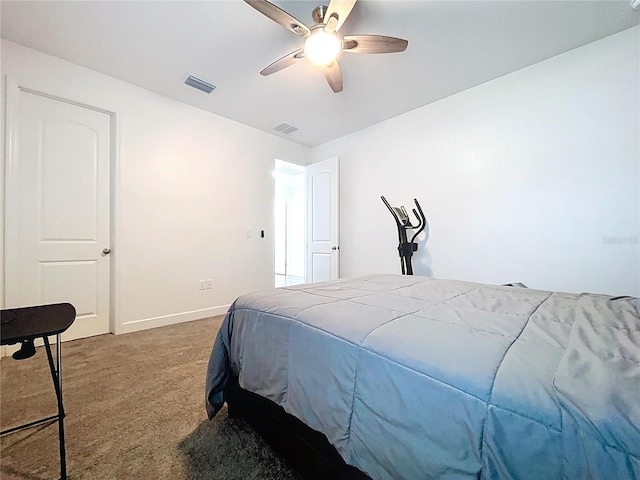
453 46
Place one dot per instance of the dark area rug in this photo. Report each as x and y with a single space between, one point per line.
228 448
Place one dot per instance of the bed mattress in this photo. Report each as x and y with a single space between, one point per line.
414 377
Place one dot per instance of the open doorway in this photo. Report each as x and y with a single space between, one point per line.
289 223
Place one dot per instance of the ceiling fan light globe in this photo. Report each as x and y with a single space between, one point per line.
322 47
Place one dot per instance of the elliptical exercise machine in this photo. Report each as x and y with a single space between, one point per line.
406 248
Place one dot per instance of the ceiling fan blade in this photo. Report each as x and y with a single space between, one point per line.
284 62
333 76
279 16
373 44
337 13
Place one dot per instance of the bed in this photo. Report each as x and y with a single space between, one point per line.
406 377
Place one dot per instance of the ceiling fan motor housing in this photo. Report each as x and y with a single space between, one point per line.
318 13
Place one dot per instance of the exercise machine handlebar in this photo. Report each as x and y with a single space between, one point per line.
403 223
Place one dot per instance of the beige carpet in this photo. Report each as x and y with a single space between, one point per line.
135 410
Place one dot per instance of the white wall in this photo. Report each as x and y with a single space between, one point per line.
188 185
533 177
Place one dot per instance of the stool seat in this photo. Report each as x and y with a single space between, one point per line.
28 323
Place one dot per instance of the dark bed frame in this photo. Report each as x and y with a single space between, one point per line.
307 450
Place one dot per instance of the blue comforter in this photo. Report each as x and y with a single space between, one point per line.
418 378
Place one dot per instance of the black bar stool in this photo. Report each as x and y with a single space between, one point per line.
26 324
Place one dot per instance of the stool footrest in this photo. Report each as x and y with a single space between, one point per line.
35 423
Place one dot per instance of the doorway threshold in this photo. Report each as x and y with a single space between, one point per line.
286 280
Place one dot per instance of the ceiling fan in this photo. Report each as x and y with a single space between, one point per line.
322 42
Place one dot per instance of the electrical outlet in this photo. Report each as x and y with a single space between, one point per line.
209 284
249 234
202 285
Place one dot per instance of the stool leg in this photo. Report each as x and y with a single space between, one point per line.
56 376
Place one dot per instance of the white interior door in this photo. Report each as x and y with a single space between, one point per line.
323 185
57 210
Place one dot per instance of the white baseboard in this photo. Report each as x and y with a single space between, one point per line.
144 324
7 350
164 320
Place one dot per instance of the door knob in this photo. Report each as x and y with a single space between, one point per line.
106 251
334 248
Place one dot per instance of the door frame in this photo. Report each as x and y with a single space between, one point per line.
12 89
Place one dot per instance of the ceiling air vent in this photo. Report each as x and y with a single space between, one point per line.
201 85
285 128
